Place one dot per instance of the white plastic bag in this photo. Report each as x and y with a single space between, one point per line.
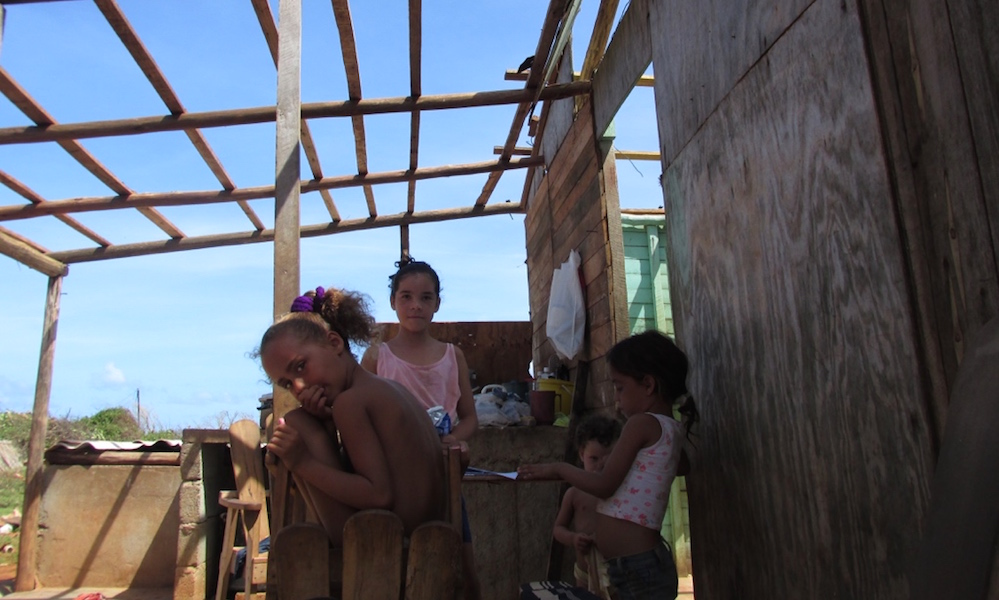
566 311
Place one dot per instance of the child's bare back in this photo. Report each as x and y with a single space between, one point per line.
410 445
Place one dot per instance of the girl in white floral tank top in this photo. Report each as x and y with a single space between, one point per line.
649 373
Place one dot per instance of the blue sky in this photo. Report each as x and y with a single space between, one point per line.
179 327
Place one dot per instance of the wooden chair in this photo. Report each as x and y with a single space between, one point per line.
245 506
376 564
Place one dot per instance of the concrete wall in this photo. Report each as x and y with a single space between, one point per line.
108 526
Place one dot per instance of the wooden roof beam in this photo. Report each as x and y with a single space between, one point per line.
266 20
75 205
35 198
29 256
636 155
121 26
598 39
23 101
512 75
267 235
348 48
266 114
556 9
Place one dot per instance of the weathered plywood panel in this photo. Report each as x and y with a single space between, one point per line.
701 50
790 294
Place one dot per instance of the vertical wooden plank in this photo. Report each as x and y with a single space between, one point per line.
610 204
287 170
656 275
286 222
27 562
628 56
404 243
288 156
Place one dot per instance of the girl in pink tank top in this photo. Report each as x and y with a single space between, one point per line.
435 372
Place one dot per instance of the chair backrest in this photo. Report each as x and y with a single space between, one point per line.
455 459
248 469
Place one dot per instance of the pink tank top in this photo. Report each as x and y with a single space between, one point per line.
643 495
433 385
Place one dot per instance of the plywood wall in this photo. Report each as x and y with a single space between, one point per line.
575 206
792 298
831 193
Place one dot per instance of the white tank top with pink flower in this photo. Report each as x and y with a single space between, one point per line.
643 495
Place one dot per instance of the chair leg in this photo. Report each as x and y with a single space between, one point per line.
225 559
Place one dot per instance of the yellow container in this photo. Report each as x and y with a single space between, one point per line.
563 393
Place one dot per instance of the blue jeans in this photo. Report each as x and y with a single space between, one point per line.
648 575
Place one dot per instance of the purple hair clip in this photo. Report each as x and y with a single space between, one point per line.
308 303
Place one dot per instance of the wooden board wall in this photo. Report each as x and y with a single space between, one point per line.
935 70
497 351
576 207
791 297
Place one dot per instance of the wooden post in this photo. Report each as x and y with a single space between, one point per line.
286 214
288 158
27 561
404 243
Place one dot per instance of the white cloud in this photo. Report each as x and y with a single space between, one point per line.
113 375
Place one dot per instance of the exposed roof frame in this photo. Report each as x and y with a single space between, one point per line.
68 136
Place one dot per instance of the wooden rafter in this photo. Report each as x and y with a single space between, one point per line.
618 154
23 101
598 40
266 20
28 255
267 235
30 243
511 75
266 114
345 27
121 26
55 207
556 9
35 198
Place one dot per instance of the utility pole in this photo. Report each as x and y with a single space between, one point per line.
138 409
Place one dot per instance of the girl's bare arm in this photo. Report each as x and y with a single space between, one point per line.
639 431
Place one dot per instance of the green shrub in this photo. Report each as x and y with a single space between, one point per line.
116 424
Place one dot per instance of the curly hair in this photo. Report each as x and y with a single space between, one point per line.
341 311
604 430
